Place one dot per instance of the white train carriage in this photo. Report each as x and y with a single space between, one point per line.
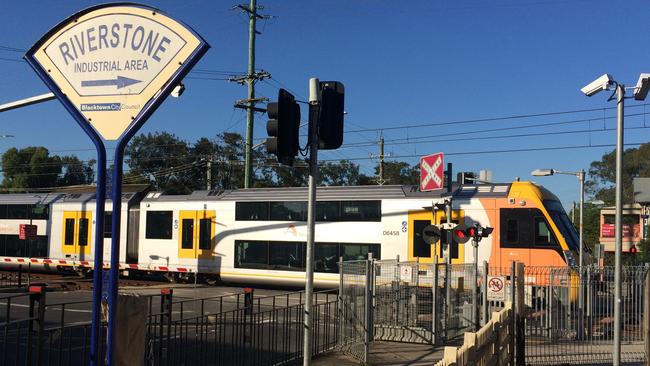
258 235
25 209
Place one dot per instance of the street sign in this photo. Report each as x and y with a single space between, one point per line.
496 288
111 66
431 172
27 231
110 62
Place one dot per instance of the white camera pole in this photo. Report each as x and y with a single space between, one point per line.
314 111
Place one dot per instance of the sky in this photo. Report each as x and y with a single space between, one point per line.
494 84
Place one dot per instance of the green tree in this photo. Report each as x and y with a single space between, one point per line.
602 173
399 172
75 171
162 160
31 167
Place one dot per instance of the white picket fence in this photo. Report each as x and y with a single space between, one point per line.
493 344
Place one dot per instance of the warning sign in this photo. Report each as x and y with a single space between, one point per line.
406 273
496 288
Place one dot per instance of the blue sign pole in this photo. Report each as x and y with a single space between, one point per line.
99 208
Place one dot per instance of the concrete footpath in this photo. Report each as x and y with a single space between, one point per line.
387 354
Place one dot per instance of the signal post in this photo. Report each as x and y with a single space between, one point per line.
326 106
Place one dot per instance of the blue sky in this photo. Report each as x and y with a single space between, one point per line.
404 64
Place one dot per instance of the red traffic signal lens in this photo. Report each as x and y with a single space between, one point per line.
460 233
472 232
633 249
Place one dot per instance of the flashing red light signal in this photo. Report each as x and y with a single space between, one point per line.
461 233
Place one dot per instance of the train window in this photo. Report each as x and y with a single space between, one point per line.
328 211
289 211
69 232
420 247
40 211
512 234
187 239
326 257
83 232
543 235
17 212
251 254
108 224
351 252
361 210
204 234
519 227
159 225
252 211
286 256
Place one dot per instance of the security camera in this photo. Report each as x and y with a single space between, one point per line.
597 85
642 87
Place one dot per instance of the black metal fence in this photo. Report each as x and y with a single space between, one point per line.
237 329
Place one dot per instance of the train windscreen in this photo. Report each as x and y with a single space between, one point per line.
563 223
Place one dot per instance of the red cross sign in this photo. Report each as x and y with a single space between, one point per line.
431 172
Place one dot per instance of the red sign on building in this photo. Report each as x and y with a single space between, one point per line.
431 173
27 232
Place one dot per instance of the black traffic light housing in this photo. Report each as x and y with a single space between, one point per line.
283 127
330 125
462 233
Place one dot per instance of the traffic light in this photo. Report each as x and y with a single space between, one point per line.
465 178
283 127
633 249
330 124
462 233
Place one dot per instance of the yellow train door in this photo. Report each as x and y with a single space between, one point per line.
420 250
76 232
196 234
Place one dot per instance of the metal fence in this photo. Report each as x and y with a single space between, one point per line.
237 329
569 318
354 312
405 302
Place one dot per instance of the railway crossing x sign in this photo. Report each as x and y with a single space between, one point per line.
431 172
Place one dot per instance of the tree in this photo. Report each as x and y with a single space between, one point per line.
31 167
75 171
400 172
603 173
343 173
162 160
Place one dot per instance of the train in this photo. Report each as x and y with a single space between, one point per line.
258 235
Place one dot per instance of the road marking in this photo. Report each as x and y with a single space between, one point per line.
55 307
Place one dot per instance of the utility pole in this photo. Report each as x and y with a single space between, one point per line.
250 78
381 181
208 173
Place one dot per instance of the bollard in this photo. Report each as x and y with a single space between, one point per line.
166 297
36 314
20 275
248 300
